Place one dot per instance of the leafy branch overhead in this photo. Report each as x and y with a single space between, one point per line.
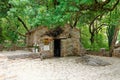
91 16
98 5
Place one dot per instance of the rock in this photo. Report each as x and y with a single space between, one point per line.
44 55
87 60
97 62
92 63
82 59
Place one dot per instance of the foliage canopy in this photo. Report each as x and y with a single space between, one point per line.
92 17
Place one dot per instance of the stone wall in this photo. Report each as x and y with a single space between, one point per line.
116 52
66 47
72 46
78 48
35 36
47 53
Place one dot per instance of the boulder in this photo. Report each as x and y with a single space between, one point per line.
92 61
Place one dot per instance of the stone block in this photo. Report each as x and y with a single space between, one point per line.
116 52
103 51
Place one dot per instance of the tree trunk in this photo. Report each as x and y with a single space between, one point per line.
113 41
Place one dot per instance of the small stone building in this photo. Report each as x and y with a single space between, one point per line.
61 41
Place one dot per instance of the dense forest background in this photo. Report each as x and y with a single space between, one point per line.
97 20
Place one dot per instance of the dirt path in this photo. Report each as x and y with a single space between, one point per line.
64 68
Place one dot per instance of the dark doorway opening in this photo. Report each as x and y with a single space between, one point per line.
57 47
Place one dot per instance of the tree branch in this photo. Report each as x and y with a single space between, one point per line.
92 28
91 23
76 19
24 25
21 34
98 28
114 6
98 6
